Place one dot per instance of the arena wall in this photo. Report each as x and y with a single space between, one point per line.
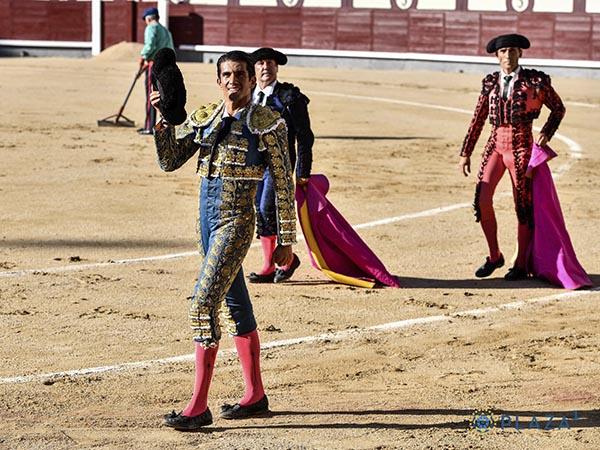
561 30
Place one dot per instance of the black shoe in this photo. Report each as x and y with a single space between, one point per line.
516 273
282 275
142 131
238 411
488 267
185 423
258 278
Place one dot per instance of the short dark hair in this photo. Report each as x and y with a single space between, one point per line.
236 56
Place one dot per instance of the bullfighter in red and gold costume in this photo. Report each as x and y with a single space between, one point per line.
512 99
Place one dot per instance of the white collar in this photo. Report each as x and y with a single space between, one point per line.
237 115
267 91
514 74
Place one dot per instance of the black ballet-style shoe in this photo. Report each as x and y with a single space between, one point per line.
259 278
516 273
282 275
238 411
488 267
185 423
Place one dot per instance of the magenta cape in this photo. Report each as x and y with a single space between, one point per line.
551 252
333 245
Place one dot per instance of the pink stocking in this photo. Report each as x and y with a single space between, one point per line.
205 363
490 230
268 245
248 348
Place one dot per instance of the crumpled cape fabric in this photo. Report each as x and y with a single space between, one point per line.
333 245
551 252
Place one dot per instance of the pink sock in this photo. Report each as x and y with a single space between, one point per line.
205 363
248 348
268 245
490 230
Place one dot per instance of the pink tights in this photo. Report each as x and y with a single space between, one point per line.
499 161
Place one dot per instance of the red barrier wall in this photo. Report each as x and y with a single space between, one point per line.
573 35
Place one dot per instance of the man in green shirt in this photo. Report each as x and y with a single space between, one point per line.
156 36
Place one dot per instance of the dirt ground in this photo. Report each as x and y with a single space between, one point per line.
97 260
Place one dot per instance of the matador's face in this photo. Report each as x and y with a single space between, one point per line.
234 80
508 57
266 71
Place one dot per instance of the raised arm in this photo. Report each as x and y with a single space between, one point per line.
173 149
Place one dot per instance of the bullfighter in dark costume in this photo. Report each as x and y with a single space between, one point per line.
237 141
512 99
292 104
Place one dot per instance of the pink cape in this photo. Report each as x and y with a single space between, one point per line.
551 252
333 245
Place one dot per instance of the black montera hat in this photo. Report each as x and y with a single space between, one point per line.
507 40
269 53
168 80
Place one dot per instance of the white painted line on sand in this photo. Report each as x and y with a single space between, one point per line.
583 105
339 335
14 273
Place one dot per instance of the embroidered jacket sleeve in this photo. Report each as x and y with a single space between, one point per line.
273 140
557 110
479 116
174 149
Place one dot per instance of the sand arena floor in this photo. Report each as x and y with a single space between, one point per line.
97 260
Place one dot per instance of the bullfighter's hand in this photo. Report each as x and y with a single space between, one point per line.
465 165
541 140
283 255
155 99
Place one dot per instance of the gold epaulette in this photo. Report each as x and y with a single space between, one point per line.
204 115
262 119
